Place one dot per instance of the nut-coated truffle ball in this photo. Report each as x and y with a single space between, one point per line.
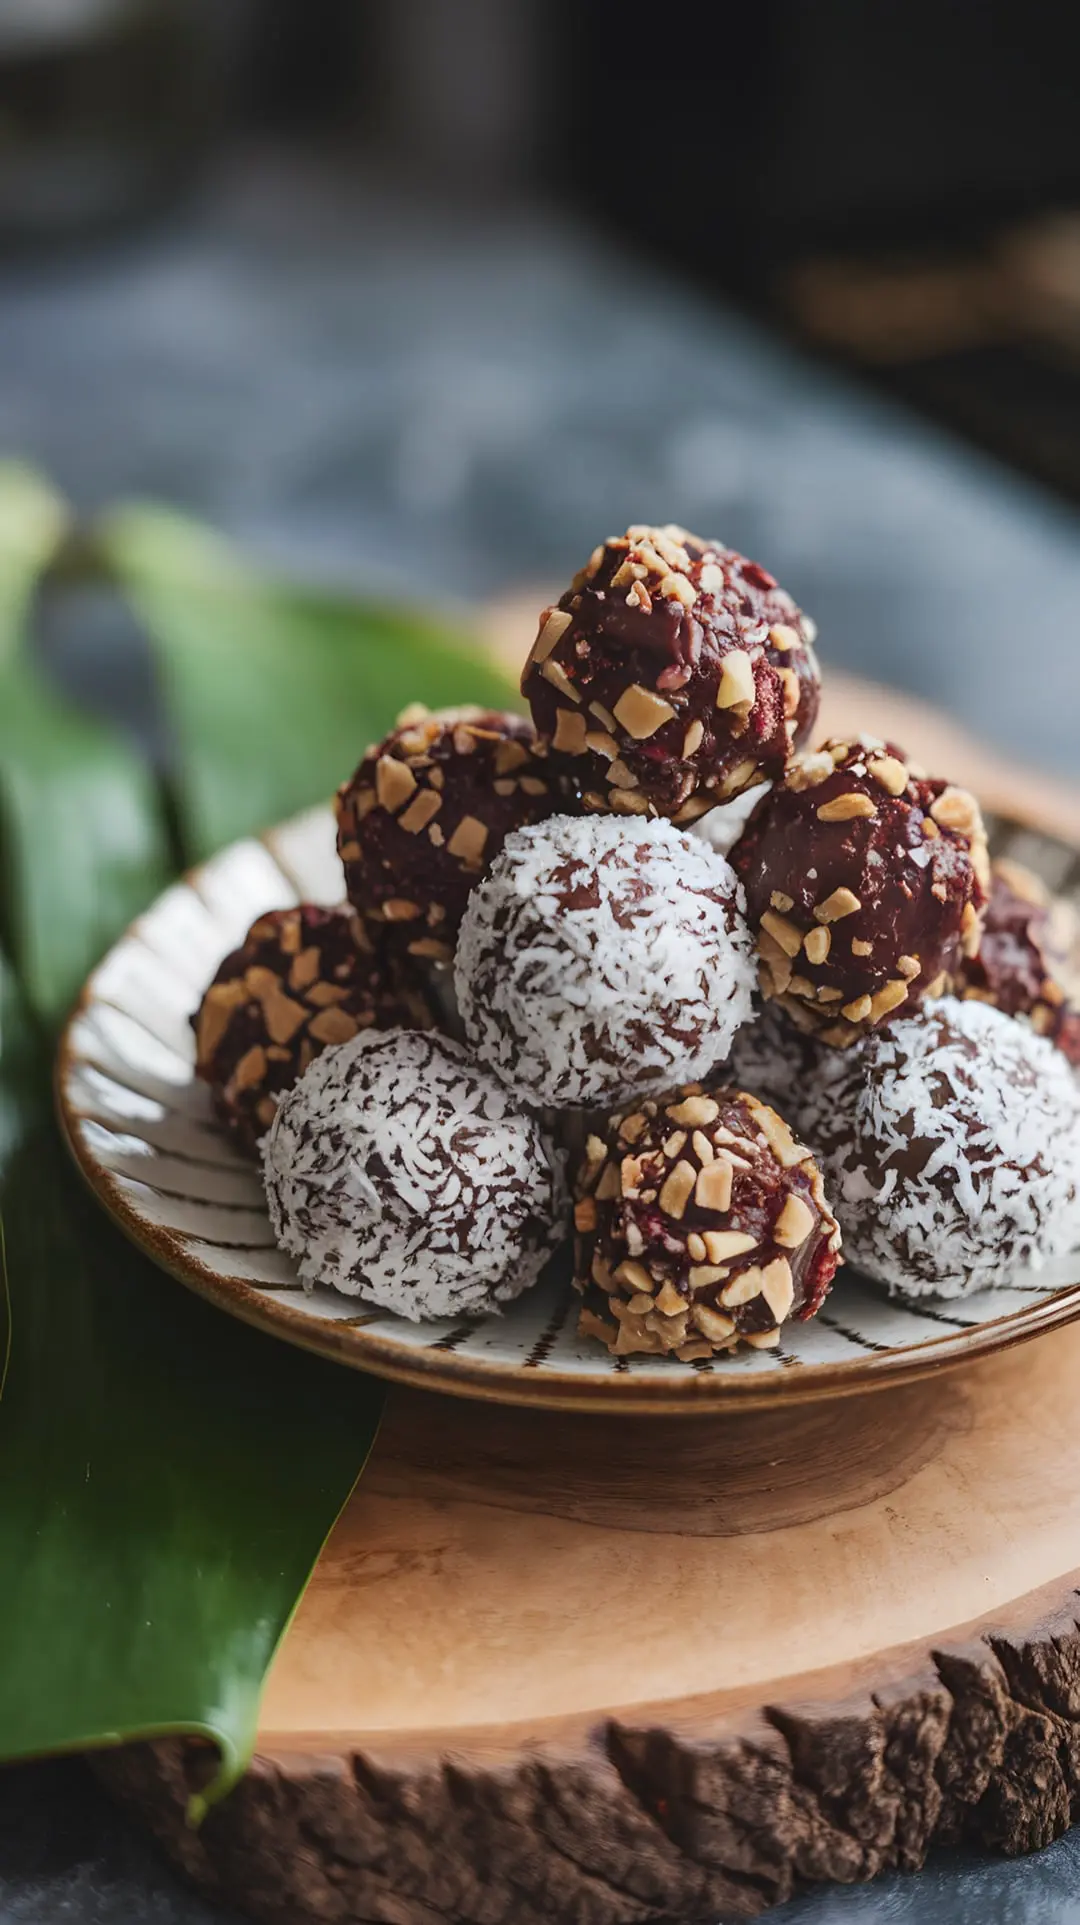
603 957
399 1170
866 884
425 813
672 675
1017 967
302 979
959 1158
701 1222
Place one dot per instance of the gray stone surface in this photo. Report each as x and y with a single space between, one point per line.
449 405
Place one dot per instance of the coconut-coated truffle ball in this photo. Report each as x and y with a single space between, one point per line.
701 1222
301 980
866 884
959 1159
673 674
1017 967
399 1170
603 957
424 814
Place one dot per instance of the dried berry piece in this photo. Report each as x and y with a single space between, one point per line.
1018 968
302 980
425 814
866 883
701 1223
672 675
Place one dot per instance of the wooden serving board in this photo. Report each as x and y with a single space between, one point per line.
598 1670
603 1669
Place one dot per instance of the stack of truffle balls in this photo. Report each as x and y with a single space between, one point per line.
650 966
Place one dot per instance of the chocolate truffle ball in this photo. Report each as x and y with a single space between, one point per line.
1018 967
701 1222
400 1171
959 1163
425 813
672 675
866 884
603 957
302 979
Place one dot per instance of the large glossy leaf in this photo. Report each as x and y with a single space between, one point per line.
273 692
81 833
167 1476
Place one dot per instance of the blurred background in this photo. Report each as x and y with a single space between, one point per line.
426 297
423 297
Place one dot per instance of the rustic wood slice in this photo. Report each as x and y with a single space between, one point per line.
596 1670
593 1669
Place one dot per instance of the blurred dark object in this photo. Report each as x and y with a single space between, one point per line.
984 338
781 127
895 182
445 95
306 67
106 108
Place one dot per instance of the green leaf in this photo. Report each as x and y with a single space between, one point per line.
167 1476
273 692
33 524
83 842
83 837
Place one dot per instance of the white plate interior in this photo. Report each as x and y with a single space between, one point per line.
143 1128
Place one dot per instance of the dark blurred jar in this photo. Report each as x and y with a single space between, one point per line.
106 107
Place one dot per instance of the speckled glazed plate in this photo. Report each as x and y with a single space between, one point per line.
143 1135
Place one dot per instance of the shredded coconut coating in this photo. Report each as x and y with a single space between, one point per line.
962 1158
399 1170
782 1065
603 958
723 826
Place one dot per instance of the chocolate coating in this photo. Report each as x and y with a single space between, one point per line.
866 883
700 1222
672 675
427 811
1017 967
302 980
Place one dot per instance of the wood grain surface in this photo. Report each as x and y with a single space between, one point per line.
585 1668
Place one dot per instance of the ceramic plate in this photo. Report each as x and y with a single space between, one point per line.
142 1133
